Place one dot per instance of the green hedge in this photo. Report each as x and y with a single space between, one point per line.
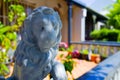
118 39
106 35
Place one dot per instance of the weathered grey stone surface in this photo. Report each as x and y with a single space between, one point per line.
34 56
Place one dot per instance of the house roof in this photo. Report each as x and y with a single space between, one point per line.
96 7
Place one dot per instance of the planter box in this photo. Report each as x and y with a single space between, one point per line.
84 56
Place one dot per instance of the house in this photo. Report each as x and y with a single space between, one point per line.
78 16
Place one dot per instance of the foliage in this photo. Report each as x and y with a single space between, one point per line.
70 48
9 0
114 15
114 34
7 40
85 51
95 34
105 34
68 63
8 34
99 34
118 39
67 59
63 46
3 68
16 14
72 52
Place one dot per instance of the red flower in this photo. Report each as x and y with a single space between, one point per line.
75 54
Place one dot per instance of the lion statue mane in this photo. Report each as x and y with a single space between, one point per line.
35 53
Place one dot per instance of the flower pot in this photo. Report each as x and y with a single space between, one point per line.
84 56
95 58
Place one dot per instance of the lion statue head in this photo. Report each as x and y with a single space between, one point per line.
42 29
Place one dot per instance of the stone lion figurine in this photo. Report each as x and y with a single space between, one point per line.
34 56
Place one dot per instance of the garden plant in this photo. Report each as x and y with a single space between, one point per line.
8 34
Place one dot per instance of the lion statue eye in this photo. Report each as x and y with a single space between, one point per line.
42 28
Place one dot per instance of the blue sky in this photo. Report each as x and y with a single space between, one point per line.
98 5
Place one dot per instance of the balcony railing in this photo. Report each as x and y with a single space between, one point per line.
109 69
102 48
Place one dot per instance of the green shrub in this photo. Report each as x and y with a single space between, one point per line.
113 35
95 34
8 34
105 34
118 39
99 34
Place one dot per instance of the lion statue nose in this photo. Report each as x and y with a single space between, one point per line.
51 38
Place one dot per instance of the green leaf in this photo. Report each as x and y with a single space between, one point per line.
11 35
7 0
68 65
114 15
5 67
6 43
1 25
5 29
